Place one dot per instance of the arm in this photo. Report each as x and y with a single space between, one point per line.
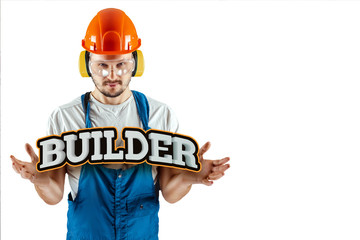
175 184
49 185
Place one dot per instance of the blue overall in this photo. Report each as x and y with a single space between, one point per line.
114 203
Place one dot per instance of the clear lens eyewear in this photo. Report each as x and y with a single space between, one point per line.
104 68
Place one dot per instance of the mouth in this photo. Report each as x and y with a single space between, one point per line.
112 84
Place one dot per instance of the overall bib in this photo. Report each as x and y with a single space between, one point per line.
115 204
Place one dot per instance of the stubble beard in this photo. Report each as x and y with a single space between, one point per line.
107 93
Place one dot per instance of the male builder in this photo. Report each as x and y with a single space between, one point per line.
114 201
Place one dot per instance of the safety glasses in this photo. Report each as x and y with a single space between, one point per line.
120 67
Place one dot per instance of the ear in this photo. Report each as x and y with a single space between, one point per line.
139 63
84 64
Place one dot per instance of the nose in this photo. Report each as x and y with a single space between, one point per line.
112 74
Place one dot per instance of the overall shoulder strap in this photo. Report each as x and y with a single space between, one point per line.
143 108
86 106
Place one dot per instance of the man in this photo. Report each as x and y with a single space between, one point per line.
114 201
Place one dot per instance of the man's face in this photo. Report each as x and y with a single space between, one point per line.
111 74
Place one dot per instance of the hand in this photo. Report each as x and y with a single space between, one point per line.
27 170
210 169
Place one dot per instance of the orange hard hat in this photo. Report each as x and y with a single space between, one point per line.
111 32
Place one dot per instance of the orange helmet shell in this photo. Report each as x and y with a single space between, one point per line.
111 32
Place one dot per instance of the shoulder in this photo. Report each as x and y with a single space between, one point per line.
66 117
75 104
159 108
162 116
155 104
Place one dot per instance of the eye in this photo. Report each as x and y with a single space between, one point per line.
119 65
103 65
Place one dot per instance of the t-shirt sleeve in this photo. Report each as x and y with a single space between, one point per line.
53 128
172 121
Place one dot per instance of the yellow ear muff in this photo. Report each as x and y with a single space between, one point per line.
139 64
83 61
138 71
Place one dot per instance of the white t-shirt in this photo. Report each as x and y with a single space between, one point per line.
71 117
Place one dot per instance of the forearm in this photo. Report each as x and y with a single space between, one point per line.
178 186
175 184
51 192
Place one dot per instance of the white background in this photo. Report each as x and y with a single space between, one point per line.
273 85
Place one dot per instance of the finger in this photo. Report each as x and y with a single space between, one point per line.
221 161
204 148
32 154
215 176
15 167
207 182
17 160
221 168
32 178
19 165
25 174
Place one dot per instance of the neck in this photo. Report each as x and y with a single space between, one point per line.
111 100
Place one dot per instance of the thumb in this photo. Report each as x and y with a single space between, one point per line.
30 151
204 149
207 182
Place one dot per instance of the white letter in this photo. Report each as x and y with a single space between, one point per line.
131 135
155 148
70 147
109 135
48 151
97 135
188 153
